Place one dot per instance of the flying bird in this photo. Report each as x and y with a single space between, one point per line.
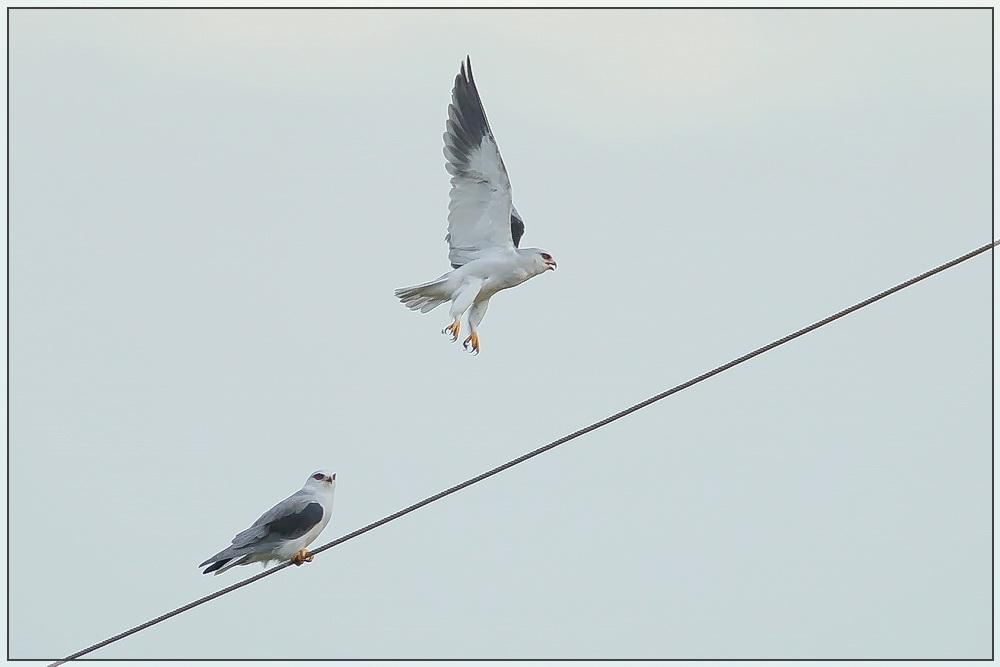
484 228
284 531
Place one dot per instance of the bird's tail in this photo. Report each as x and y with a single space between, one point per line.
220 566
424 297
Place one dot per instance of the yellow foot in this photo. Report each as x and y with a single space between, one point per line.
452 330
303 556
472 342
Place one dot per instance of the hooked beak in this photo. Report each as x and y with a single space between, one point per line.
551 264
332 477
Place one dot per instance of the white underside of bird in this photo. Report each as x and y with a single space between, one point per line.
470 287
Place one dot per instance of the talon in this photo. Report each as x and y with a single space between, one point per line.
472 340
303 556
452 330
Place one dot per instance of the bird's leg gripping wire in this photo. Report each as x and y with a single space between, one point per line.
303 556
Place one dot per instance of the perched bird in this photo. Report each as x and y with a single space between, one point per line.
484 229
284 531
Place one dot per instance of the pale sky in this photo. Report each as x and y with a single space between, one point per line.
210 209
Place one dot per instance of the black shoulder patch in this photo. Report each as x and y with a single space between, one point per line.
296 525
516 228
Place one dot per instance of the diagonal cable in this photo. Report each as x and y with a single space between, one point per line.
535 452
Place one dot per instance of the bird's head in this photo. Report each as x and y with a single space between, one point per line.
322 479
541 260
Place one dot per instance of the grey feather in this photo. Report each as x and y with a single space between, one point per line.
289 519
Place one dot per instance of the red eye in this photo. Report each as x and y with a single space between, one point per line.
318 476
546 256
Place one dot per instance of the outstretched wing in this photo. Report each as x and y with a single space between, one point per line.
481 217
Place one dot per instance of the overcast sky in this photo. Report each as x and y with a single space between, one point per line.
209 211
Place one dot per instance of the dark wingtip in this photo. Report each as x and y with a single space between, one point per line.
465 72
216 565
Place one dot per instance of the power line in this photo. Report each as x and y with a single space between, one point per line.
540 450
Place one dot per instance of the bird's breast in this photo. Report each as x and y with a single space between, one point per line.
496 272
503 281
